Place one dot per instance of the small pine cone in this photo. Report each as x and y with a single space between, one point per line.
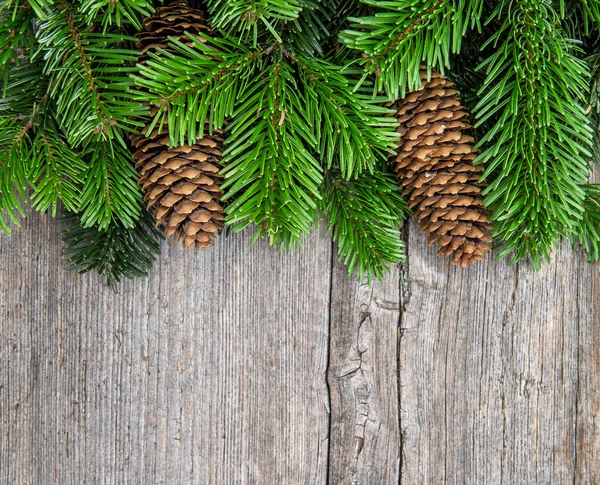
172 20
182 184
434 165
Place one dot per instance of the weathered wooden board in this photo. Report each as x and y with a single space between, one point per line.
363 380
241 365
211 371
499 371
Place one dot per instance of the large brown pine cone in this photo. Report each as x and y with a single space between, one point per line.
182 186
434 163
182 183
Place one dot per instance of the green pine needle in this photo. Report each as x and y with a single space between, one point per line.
114 252
365 216
536 154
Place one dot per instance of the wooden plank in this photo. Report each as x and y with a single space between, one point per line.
499 371
587 404
212 370
362 379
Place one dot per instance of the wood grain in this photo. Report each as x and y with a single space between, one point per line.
241 365
362 379
211 371
495 386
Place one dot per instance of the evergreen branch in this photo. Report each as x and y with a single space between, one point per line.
591 14
93 69
197 84
593 108
19 110
365 215
404 34
24 90
14 140
538 147
110 192
311 30
350 129
587 233
39 7
54 172
16 32
268 162
115 252
116 12
242 16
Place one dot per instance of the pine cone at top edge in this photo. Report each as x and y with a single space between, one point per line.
182 183
434 166
170 20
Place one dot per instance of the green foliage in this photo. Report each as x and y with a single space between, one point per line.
110 192
19 109
55 170
404 34
13 172
594 105
94 69
16 33
116 252
587 233
268 162
350 129
241 16
365 215
65 110
117 12
199 83
536 153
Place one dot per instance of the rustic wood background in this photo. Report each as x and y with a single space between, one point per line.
240 365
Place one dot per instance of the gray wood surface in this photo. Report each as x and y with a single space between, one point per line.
240 365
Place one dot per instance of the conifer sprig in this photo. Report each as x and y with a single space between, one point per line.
269 163
537 152
365 215
114 252
587 233
402 35
92 68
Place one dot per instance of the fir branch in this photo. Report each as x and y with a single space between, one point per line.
91 68
587 234
404 34
115 252
198 84
54 172
590 10
19 110
14 141
593 108
116 12
110 192
24 90
311 31
268 162
536 153
243 17
365 216
350 129
16 33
